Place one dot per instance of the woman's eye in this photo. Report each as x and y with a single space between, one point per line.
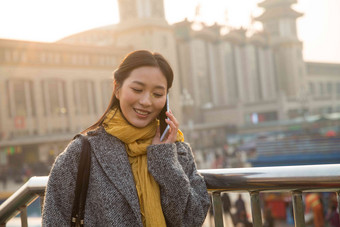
137 90
157 95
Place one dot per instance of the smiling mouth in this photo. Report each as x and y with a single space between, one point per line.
142 112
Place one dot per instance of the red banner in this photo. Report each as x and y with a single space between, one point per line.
19 122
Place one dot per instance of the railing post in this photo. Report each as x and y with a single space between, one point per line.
299 214
217 205
23 216
338 195
256 209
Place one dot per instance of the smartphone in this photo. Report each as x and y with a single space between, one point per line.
164 127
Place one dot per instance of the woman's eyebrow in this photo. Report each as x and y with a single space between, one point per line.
143 84
138 82
160 87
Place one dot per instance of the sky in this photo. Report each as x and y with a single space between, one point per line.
51 20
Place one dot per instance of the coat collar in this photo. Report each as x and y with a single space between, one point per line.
111 155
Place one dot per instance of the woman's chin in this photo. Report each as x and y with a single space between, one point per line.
140 123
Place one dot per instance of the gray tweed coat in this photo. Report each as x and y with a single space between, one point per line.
112 197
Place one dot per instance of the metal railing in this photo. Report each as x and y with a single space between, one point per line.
293 179
23 197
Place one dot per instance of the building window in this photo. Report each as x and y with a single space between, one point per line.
272 27
322 89
329 88
20 98
8 56
293 113
260 117
32 99
101 60
23 57
311 89
42 57
338 89
54 98
325 110
86 59
296 113
107 89
74 59
57 58
16 56
165 41
113 61
18 94
84 97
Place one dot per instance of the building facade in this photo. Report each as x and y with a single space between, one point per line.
224 83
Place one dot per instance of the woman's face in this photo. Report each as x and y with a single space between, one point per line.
142 95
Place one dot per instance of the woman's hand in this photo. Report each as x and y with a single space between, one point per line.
172 133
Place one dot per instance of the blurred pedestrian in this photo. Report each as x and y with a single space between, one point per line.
240 209
243 220
332 216
3 176
268 218
314 207
226 205
26 173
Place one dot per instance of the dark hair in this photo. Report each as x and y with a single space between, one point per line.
132 61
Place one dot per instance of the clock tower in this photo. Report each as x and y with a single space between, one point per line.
131 10
143 26
279 22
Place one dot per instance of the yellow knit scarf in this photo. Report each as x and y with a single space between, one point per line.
136 141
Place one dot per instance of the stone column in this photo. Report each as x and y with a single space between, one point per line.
70 105
29 116
3 118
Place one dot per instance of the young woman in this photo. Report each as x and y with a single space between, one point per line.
135 179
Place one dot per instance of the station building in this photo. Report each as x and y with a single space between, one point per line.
224 83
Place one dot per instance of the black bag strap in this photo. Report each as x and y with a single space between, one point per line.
80 192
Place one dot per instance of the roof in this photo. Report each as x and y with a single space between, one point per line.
319 68
278 12
275 3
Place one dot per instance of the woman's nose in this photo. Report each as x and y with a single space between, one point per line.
145 100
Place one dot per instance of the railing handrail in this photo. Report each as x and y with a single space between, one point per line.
26 194
254 179
304 178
